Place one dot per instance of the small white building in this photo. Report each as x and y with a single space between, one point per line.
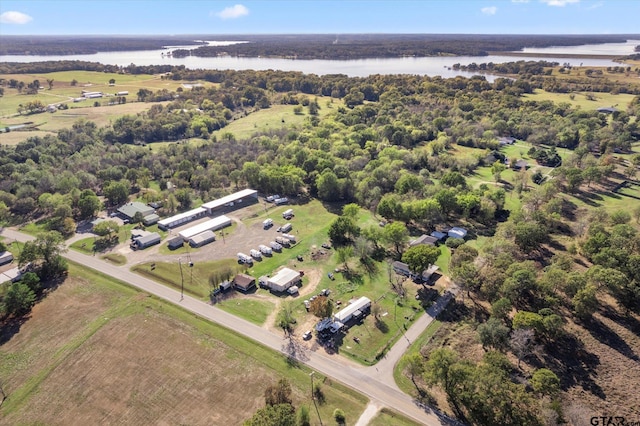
210 225
284 279
356 309
181 218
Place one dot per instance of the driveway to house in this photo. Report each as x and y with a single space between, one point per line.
377 387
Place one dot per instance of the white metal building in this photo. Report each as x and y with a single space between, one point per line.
284 279
181 218
202 239
354 309
5 257
240 196
210 225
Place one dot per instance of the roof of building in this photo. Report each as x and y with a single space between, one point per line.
175 241
457 232
94 222
351 308
10 275
438 235
152 218
184 215
400 265
508 140
244 281
284 277
609 110
230 198
130 209
6 255
148 239
204 237
424 239
521 164
210 225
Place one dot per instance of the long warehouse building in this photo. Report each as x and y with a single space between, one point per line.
246 195
210 225
182 218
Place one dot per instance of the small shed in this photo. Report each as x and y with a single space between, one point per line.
6 257
440 236
244 282
284 279
141 243
401 268
424 240
457 232
152 219
202 239
175 243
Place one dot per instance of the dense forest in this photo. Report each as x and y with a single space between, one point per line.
83 45
303 46
357 46
387 145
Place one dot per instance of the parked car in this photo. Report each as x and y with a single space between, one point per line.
307 335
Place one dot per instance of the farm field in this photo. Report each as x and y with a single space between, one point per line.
114 355
581 99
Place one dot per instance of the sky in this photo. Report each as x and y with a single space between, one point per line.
164 17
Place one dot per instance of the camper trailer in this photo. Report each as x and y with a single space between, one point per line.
283 241
267 223
243 258
267 251
275 246
286 227
255 254
287 214
290 237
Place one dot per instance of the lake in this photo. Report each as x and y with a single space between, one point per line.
431 66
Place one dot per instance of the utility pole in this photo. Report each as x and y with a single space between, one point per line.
181 279
313 397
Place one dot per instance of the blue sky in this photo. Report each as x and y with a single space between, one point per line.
300 16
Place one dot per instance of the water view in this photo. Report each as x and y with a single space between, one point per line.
431 66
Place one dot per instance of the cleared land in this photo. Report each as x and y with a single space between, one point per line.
96 352
584 100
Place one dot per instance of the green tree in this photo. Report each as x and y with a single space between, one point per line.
106 227
343 230
529 236
278 393
19 299
585 302
396 233
116 192
496 170
302 416
501 308
339 417
545 382
467 276
414 366
494 334
420 257
88 204
273 415
285 319
45 254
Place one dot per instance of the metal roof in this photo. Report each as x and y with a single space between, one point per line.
230 198
284 276
130 209
210 225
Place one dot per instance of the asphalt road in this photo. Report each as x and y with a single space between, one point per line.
378 384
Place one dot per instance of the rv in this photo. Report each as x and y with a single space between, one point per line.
275 246
283 241
281 201
288 214
290 237
255 254
243 258
286 227
267 251
268 223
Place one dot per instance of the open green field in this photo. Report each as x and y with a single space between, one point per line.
100 351
580 99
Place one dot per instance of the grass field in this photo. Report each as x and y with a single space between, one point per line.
580 99
387 417
96 351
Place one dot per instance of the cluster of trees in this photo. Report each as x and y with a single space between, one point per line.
279 409
42 258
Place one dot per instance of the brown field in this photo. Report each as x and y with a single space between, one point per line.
597 363
94 352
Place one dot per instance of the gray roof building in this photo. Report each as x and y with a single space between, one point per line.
130 209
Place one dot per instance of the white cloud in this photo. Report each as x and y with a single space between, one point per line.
559 3
233 12
595 6
13 17
489 10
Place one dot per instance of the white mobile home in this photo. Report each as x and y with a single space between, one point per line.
210 225
283 241
356 309
284 279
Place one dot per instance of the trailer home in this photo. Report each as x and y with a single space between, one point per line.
255 254
266 250
286 227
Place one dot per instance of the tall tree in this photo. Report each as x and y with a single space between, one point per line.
420 257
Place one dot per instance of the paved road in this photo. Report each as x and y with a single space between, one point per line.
380 390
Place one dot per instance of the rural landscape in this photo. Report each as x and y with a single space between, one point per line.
206 245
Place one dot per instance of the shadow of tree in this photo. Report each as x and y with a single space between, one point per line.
605 335
381 325
10 327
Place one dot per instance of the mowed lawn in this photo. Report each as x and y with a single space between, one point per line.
98 352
